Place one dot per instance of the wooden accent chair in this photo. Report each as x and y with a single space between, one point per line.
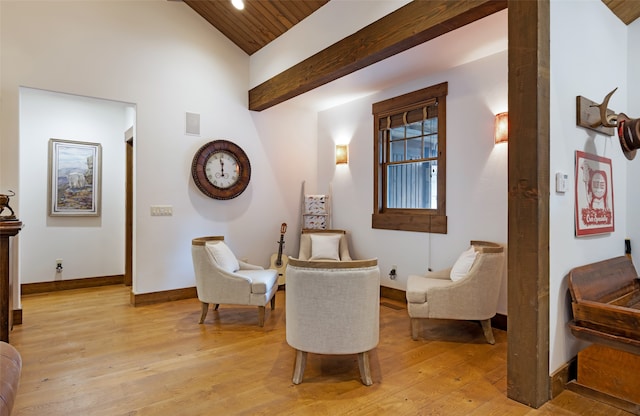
221 278
333 307
472 296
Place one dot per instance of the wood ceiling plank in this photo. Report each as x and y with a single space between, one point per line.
282 13
409 26
259 23
228 21
626 10
274 17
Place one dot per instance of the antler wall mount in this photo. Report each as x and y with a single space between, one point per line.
598 117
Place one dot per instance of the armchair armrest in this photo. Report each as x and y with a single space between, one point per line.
247 266
444 274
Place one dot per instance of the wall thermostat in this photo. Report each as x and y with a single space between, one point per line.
562 182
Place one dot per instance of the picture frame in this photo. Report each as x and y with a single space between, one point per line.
594 195
75 175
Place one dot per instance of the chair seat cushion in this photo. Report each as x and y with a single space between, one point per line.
417 287
261 280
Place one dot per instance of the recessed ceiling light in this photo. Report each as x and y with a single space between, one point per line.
238 4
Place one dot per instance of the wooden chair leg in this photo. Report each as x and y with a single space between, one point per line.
301 363
273 302
216 306
415 328
488 332
261 315
204 308
365 371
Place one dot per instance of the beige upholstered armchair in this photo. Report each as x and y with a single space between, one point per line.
221 278
467 291
333 308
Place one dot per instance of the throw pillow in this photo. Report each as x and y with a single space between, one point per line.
463 264
325 247
223 255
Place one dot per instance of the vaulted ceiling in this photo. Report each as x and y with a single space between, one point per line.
258 23
415 23
262 21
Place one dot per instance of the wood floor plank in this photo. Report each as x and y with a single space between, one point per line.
88 352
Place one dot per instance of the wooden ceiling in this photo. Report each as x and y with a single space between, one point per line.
259 23
262 21
626 10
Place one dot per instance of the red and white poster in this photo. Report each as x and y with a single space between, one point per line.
594 195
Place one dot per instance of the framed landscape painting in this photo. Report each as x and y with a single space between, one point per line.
594 195
74 178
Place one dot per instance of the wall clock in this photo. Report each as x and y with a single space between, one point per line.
221 169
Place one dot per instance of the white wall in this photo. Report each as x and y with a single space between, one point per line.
166 60
89 246
476 172
588 58
331 23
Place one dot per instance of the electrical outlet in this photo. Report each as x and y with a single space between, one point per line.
393 274
161 210
58 265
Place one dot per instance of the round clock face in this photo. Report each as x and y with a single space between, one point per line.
221 169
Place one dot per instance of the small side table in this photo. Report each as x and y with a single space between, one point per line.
8 228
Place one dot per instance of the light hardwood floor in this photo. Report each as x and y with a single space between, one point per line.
88 352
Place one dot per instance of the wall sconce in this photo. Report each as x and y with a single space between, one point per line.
342 154
501 134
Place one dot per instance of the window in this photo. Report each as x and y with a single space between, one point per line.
410 161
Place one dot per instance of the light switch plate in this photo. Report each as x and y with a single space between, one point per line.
161 210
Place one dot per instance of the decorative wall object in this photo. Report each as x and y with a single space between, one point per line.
501 128
600 118
74 178
594 195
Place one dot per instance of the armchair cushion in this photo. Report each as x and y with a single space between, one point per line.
325 247
462 266
223 255
418 286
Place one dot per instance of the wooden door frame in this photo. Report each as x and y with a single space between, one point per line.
128 233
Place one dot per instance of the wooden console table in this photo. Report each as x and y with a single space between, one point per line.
8 228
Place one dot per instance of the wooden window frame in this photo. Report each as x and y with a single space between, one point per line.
421 220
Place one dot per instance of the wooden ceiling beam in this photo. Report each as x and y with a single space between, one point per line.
409 26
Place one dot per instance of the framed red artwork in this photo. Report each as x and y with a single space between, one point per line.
594 195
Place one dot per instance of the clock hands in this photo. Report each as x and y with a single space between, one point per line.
222 174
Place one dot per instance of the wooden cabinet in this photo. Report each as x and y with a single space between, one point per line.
7 229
